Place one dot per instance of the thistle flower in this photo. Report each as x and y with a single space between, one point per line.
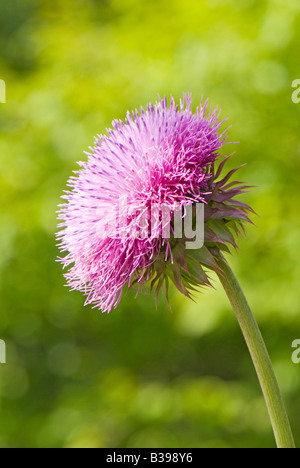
164 156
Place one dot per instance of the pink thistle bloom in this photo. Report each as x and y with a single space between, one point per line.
162 156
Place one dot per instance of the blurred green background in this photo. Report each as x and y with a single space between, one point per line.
142 377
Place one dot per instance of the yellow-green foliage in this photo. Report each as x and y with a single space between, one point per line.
143 377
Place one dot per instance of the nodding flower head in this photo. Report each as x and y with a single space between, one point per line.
122 220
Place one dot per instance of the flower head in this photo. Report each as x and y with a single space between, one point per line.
147 172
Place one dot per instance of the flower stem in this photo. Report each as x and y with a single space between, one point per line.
260 357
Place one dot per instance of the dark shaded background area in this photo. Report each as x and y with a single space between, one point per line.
142 377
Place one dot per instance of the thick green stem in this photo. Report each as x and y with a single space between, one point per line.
260 357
